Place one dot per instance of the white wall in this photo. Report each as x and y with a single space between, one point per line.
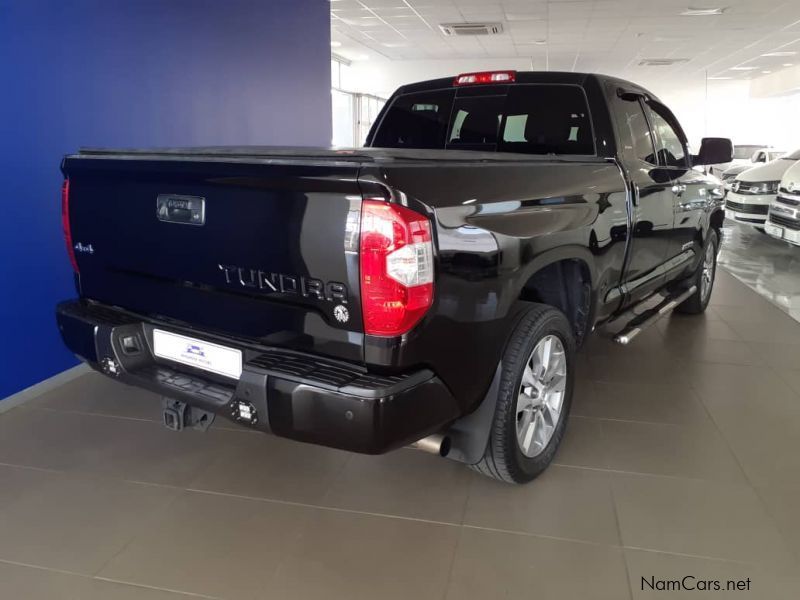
733 109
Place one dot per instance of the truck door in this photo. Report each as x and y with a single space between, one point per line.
688 188
651 209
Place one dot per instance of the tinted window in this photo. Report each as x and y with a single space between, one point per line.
547 119
634 131
416 121
669 147
530 119
475 122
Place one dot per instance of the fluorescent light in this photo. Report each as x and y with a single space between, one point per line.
702 12
788 64
720 78
743 68
335 44
781 53
766 72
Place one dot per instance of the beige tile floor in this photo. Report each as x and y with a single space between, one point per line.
681 459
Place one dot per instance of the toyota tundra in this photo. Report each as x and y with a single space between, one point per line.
429 289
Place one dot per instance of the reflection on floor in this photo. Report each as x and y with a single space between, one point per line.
770 267
681 459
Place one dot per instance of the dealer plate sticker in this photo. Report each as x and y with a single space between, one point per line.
197 353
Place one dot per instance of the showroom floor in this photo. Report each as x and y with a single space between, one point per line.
768 266
681 459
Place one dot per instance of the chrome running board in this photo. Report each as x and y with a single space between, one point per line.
641 322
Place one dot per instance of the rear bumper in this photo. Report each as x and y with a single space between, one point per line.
293 395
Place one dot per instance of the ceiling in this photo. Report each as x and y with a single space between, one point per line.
610 36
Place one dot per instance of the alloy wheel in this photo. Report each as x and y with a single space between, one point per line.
541 395
707 275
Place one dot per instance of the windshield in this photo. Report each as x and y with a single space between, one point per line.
793 156
528 119
745 151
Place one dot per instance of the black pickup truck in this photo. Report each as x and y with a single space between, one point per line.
429 289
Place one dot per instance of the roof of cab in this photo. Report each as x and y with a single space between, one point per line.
562 77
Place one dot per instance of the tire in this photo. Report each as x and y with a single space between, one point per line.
544 329
698 302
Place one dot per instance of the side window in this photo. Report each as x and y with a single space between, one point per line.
634 131
669 146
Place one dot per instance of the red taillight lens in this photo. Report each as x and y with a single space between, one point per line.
485 77
65 224
396 267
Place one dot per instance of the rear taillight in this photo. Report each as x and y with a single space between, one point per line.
65 224
396 267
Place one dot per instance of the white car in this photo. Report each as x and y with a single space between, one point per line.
754 190
784 212
730 174
749 155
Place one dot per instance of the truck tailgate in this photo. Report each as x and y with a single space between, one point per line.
259 250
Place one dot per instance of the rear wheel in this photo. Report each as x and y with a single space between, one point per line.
703 279
534 397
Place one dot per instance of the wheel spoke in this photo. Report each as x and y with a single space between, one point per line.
559 383
529 432
547 349
528 379
553 402
542 431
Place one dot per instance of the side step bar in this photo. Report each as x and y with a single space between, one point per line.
650 317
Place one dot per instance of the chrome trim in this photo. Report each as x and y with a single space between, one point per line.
627 335
437 443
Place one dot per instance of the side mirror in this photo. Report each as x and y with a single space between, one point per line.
714 151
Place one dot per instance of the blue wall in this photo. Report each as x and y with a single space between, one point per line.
132 73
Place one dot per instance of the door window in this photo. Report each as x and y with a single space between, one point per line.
670 148
635 139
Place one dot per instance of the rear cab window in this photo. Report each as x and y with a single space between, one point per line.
523 118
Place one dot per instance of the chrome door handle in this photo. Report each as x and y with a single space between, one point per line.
678 189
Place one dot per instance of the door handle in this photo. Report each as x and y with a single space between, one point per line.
678 189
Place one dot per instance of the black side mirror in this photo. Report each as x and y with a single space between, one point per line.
714 151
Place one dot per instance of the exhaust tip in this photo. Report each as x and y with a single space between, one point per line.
444 448
434 444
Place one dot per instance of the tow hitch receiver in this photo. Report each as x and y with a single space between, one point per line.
178 416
